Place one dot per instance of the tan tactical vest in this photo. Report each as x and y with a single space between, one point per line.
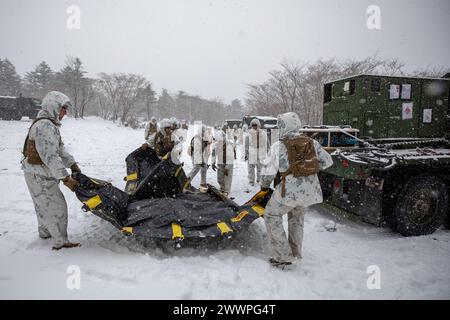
152 128
29 147
302 159
224 151
163 144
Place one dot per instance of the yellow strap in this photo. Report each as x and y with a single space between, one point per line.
178 171
186 184
127 230
224 228
259 209
166 156
93 202
96 182
240 216
176 229
262 193
132 176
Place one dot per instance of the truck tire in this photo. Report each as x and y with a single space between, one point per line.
447 221
421 206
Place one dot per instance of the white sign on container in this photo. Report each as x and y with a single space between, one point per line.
406 91
394 91
427 115
407 111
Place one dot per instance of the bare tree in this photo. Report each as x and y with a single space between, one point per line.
432 72
109 95
86 94
299 88
70 80
123 92
131 87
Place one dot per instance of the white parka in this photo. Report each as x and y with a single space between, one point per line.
200 154
252 152
48 140
300 191
220 138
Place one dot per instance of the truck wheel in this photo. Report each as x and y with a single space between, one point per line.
421 207
447 221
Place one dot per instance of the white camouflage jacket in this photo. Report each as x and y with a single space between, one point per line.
300 191
217 156
48 140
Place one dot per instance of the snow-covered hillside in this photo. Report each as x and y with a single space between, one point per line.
114 266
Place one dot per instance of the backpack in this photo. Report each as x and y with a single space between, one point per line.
302 159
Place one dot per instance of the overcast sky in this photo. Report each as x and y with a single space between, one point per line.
213 48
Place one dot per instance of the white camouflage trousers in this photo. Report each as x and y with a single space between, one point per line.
284 249
203 168
251 172
225 176
50 206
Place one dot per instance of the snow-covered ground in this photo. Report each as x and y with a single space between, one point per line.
114 266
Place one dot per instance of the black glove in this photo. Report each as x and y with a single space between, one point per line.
214 167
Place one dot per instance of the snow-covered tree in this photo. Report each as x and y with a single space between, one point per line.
39 81
71 81
10 82
123 93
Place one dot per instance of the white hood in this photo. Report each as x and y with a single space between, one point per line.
257 122
52 104
288 123
164 123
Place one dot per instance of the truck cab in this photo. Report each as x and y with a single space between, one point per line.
14 108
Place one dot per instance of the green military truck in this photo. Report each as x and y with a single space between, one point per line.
389 139
14 108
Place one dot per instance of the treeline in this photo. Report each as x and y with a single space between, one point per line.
127 98
121 97
299 87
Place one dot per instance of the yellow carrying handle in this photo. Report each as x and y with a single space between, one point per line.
132 176
128 230
258 209
176 230
224 228
93 202
240 216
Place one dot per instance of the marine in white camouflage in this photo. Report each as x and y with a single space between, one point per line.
200 150
43 176
150 129
223 155
165 141
255 150
301 192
